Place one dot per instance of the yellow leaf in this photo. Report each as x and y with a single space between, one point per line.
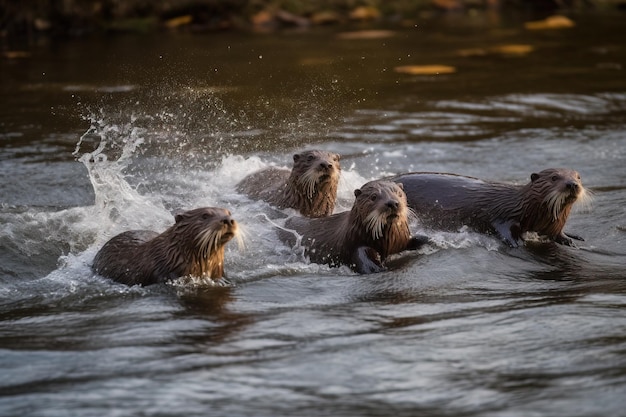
425 69
178 21
365 13
552 22
366 34
512 49
16 54
325 17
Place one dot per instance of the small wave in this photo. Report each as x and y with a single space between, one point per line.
541 105
473 120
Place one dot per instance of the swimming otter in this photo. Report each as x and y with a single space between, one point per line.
377 226
194 245
310 187
542 206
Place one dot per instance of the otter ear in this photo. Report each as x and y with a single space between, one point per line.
401 185
534 176
357 192
179 215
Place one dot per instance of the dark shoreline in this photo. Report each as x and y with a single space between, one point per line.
74 18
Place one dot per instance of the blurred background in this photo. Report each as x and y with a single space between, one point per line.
80 17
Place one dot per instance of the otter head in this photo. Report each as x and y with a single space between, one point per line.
316 169
207 228
381 205
559 189
201 235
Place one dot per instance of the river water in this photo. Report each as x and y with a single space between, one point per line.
102 135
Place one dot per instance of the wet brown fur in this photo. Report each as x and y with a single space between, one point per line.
377 226
541 206
310 187
194 246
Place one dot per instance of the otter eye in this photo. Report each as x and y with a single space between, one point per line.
373 197
310 158
206 216
554 178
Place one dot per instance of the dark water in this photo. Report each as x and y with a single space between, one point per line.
104 135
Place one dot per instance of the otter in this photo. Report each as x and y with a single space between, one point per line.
310 187
194 245
377 226
450 201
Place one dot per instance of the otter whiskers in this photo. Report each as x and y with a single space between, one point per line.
557 200
375 223
209 240
309 181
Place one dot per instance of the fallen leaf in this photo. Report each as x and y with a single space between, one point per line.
325 17
497 50
16 54
552 22
263 17
366 34
425 69
512 49
365 13
178 21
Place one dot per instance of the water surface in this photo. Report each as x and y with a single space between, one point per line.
105 135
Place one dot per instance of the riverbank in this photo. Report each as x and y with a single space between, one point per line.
24 20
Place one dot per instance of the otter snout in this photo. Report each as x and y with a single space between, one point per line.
393 205
228 230
230 227
325 166
229 221
572 186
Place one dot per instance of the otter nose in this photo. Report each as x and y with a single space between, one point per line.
325 165
393 204
228 221
572 186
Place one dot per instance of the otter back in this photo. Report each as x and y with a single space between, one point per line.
449 201
267 184
119 259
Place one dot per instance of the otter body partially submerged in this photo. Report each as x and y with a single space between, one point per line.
194 245
450 201
310 187
377 226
